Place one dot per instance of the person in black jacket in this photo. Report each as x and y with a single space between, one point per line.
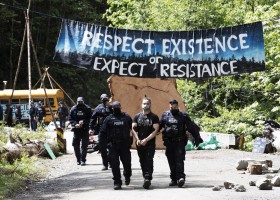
79 118
1 113
98 116
32 116
62 113
18 114
145 127
41 113
116 131
9 115
175 124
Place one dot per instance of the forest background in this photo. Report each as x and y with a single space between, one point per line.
235 104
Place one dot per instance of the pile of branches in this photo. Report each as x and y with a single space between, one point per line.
16 147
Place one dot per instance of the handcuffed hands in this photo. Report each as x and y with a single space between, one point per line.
141 142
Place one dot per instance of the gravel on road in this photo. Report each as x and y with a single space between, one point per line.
204 170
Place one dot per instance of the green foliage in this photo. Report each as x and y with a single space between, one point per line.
13 176
249 143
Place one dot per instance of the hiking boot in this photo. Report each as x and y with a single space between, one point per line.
146 184
173 183
127 181
83 163
117 186
104 168
181 182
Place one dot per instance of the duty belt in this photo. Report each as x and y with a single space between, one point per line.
176 139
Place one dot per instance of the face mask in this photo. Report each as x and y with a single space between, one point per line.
174 111
80 105
146 107
117 111
104 101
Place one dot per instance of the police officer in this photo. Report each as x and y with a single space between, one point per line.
145 127
98 116
9 115
32 115
79 118
62 113
116 130
18 114
41 113
175 124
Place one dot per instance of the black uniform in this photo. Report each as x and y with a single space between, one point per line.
62 113
9 115
175 140
78 113
41 113
32 113
98 116
18 115
1 113
146 153
116 130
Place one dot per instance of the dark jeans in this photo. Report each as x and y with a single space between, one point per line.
117 152
146 159
33 124
80 135
62 121
175 153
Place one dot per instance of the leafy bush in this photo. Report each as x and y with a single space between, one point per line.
13 176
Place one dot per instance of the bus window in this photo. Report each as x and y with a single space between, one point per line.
15 101
37 100
52 102
4 101
24 101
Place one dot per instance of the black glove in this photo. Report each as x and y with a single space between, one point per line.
197 141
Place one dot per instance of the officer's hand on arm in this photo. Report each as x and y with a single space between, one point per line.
77 126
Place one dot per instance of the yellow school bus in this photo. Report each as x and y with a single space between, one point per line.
21 97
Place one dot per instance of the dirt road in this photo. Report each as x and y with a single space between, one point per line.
204 169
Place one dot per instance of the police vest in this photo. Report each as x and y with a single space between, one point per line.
103 113
118 130
175 126
79 113
40 111
62 112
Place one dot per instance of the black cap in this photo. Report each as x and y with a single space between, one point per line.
116 104
173 101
